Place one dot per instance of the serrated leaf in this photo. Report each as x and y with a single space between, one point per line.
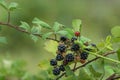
116 31
83 74
34 38
68 71
70 32
3 40
3 4
62 32
12 6
84 39
56 26
41 23
36 30
118 54
51 46
47 35
25 26
77 24
108 39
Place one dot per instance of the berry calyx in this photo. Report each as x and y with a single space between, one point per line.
69 57
75 47
77 33
84 55
63 38
56 71
61 48
59 57
53 62
61 68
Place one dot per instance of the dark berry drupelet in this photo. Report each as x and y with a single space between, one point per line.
69 57
75 47
61 68
84 55
61 48
56 71
53 62
63 38
92 44
59 57
73 39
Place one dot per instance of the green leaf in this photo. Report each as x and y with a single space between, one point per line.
46 35
94 73
12 6
3 4
62 32
34 38
36 30
84 39
41 23
69 71
83 74
108 39
3 40
25 26
118 54
71 77
116 31
56 26
77 24
70 32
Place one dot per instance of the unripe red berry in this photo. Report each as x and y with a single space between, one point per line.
77 33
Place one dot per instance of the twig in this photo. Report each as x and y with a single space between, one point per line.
8 17
111 77
107 53
24 31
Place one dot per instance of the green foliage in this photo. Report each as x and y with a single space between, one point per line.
116 31
118 53
12 6
25 26
3 4
77 24
3 40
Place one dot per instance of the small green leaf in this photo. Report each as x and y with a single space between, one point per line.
36 30
70 32
3 4
116 31
34 38
118 54
77 24
3 40
41 23
56 26
12 6
25 26
84 39
69 71
108 39
62 32
71 77
46 35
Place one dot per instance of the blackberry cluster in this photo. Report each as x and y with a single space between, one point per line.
68 52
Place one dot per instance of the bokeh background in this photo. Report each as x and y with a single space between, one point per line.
98 17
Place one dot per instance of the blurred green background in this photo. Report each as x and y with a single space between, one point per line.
98 17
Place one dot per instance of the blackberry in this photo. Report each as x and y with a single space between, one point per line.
61 68
59 57
94 45
61 48
84 55
63 38
56 71
69 57
73 39
53 62
75 47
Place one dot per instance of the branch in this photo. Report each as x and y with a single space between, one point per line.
19 29
8 17
107 53
113 77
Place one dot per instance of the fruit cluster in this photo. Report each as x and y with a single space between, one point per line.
68 52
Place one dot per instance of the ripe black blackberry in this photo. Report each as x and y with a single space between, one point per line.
53 62
56 71
75 47
63 38
84 55
59 57
73 39
69 57
61 48
61 68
